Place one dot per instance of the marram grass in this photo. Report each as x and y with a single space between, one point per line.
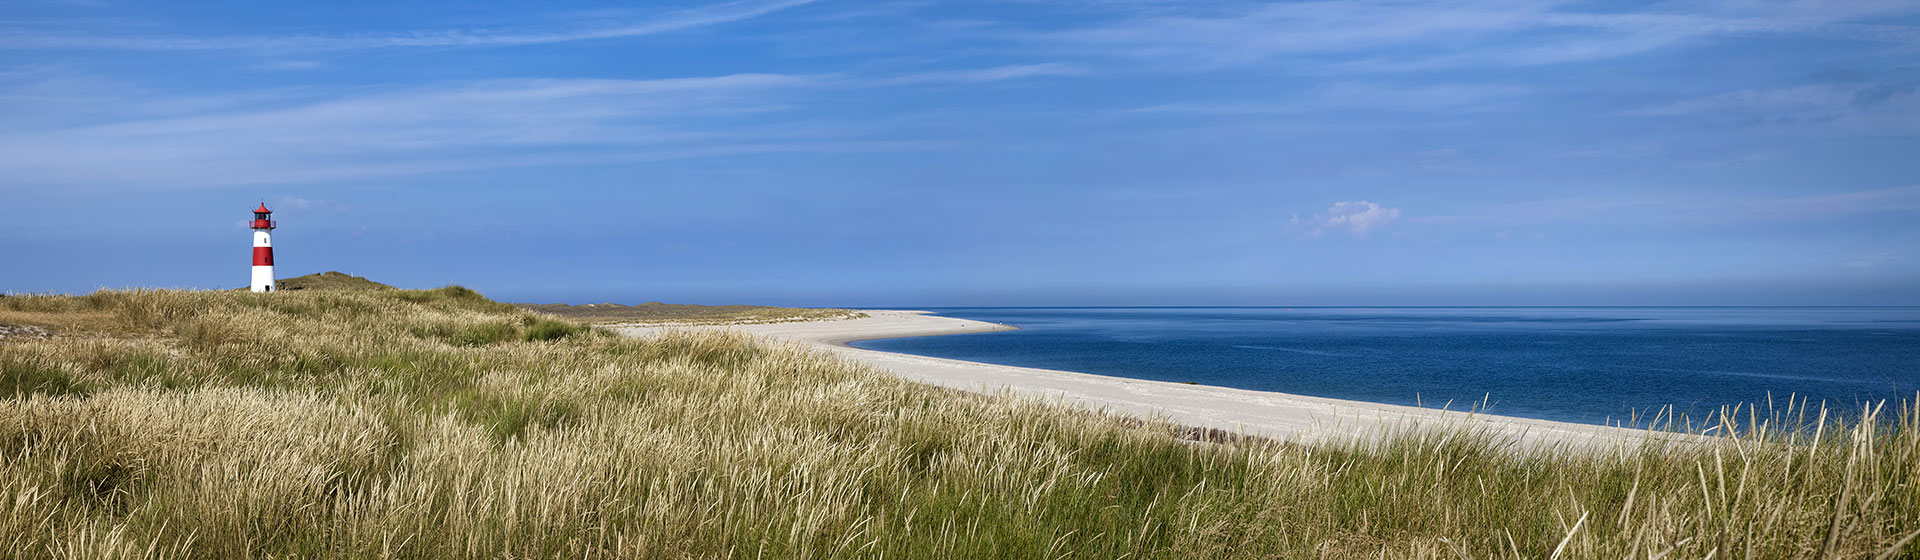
438 424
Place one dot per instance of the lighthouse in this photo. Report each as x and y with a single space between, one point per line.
262 249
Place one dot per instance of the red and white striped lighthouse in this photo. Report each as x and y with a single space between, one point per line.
262 249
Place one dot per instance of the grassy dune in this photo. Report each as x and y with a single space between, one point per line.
437 424
331 280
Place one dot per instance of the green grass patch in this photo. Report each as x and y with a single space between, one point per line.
22 377
549 330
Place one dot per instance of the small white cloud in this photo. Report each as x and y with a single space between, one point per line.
1360 217
297 203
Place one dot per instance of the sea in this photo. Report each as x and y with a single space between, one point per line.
1597 365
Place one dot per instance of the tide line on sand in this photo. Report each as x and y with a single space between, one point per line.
1277 416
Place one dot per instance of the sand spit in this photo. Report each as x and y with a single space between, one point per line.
1259 413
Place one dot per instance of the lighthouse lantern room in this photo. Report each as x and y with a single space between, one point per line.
263 225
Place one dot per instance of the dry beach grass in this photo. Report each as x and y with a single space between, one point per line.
438 424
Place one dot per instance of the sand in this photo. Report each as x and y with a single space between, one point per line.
1266 414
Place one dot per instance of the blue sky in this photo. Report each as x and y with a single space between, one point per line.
917 153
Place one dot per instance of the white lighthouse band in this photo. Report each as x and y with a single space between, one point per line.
263 225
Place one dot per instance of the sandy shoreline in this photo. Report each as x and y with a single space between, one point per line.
1278 416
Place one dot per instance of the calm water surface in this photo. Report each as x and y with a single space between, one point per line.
1573 364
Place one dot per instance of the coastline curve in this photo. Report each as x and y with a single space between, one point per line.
1265 414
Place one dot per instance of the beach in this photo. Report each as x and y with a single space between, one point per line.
1278 416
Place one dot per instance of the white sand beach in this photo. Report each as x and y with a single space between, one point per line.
1271 415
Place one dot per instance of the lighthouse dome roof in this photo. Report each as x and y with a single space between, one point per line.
263 209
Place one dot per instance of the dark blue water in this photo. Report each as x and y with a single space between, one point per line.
1592 365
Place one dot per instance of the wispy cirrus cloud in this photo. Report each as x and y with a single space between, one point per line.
1693 209
493 37
1451 98
984 75
1397 35
324 135
1882 108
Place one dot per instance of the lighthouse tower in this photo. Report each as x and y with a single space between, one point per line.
262 249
